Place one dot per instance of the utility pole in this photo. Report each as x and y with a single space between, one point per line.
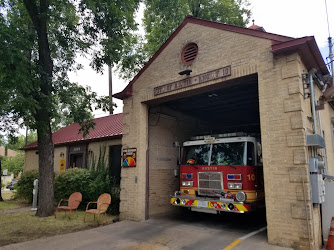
111 111
331 56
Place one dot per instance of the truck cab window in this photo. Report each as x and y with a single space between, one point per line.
250 154
228 153
197 155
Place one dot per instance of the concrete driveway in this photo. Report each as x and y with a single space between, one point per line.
197 231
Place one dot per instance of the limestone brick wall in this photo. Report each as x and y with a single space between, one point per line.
292 219
163 182
133 184
284 154
217 49
284 130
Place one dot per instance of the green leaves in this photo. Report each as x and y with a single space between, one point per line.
162 17
101 28
14 164
26 185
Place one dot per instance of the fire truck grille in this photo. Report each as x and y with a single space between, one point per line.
210 183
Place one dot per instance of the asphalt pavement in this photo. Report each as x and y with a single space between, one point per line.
196 231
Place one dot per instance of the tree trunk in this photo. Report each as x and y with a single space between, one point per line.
0 181
46 172
39 17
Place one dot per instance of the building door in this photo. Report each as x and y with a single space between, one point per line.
115 162
76 160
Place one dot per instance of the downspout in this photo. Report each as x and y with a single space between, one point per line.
147 167
313 152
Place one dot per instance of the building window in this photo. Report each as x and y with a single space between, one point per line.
77 156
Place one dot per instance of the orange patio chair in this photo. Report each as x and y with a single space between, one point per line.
102 205
72 203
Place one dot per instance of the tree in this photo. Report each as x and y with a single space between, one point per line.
17 142
39 41
162 17
14 164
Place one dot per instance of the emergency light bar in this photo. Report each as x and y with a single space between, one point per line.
226 135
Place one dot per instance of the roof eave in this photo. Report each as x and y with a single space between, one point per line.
113 137
307 49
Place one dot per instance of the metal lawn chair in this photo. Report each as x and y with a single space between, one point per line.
72 203
102 205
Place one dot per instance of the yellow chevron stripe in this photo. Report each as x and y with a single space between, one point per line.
241 207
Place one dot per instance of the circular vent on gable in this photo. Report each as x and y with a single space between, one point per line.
189 53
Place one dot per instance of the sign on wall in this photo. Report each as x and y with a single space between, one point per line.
129 157
62 165
191 81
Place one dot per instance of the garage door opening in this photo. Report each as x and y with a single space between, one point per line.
225 109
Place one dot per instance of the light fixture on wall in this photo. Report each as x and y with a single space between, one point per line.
185 72
62 155
90 151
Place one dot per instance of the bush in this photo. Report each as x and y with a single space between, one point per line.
26 184
90 184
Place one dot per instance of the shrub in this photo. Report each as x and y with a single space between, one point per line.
26 184
73 180
90 184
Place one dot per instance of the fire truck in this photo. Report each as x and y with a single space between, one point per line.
221 173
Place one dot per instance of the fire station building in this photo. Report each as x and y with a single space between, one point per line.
210 78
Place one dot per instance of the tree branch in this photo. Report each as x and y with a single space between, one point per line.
33 12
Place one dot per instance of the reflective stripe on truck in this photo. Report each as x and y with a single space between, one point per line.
207 204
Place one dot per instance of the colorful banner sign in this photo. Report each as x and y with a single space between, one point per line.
129 157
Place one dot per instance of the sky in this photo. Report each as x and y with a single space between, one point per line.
294 18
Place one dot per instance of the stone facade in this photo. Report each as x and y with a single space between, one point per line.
292 219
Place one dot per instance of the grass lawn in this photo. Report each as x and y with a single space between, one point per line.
8 194
24 226
8 202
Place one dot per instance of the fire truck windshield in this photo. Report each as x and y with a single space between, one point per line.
228 154
197 155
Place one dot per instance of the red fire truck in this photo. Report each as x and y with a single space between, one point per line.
221 174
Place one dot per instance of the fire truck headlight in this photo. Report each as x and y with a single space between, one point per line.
231 185
240 196
187 183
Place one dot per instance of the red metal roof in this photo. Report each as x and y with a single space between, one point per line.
105 127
